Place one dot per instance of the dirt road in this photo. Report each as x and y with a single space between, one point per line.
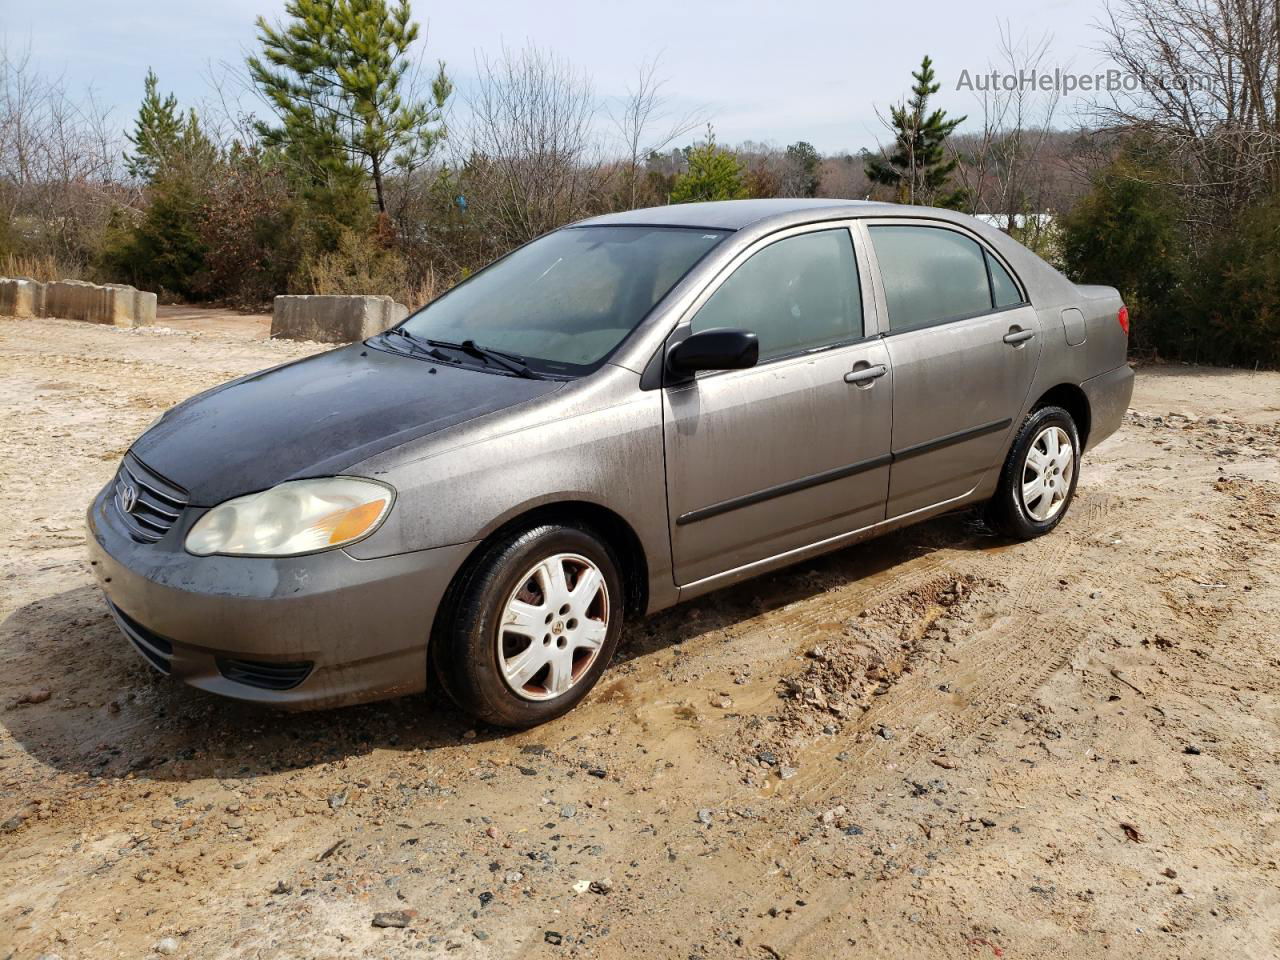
936 744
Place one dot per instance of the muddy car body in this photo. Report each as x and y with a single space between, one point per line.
761 407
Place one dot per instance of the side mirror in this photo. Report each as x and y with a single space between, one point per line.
720 349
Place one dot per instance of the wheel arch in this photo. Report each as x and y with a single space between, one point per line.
1072 399
604 522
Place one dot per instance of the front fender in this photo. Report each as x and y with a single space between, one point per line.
600 443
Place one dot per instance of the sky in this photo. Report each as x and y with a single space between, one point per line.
777 72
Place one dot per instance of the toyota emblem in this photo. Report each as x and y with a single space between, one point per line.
128 498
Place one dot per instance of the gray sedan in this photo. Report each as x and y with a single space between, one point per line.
623 414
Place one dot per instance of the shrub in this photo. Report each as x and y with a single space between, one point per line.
1235 300
1126 233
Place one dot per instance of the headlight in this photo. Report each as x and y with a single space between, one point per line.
300 516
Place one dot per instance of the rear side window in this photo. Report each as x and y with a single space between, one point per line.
1004 292
797 294
930 274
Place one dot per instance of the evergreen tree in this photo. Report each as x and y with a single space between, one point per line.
802 172
156 132
713 174
335 75
918 169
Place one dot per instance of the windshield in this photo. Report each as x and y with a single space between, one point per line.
564 302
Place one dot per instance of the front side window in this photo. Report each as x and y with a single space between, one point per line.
930 274
564 302
797 294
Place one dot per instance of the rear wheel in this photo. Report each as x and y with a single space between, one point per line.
532 626
1039 476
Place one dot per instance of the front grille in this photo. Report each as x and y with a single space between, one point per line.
267 676
157 650
156 503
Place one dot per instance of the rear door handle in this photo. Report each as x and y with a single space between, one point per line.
1018 336
863 377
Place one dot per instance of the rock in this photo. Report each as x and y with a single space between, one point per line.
885 733
987 822
394 918
582 886
1170 872
704 817
553 937
39 695
946 763
1192 749
601 887
568 811
598 772
282 886
1095 595
13 823
167 947
767 758
486 898
480 935
786 773
337 800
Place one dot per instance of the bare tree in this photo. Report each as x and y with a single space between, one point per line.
59 163
1000 166
647 125
1204 87
532 161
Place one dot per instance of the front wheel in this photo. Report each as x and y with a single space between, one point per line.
532 626
1039 476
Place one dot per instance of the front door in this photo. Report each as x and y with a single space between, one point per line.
796 449
964 345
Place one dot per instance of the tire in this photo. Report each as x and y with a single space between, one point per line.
1024 517
568 628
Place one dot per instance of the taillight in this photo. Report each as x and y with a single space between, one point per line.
1123 319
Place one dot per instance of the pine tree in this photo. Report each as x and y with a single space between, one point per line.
713 174
918 168
156 133
335 75
802 170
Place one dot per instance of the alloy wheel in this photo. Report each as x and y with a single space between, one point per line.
553 626
1047 472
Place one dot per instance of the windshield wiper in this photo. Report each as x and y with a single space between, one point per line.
415 345
516 364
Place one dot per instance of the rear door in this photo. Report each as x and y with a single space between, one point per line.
795 449
963 343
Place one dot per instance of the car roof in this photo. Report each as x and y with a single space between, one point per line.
737 214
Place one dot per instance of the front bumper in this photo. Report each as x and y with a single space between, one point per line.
323 630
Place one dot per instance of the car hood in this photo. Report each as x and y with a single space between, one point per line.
317 417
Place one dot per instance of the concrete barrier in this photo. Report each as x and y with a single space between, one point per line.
333 319
113 303
21 298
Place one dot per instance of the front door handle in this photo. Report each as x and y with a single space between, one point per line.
1017 336
863 376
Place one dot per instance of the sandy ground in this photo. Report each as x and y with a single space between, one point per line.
937 744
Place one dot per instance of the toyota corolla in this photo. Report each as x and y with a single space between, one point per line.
620 415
